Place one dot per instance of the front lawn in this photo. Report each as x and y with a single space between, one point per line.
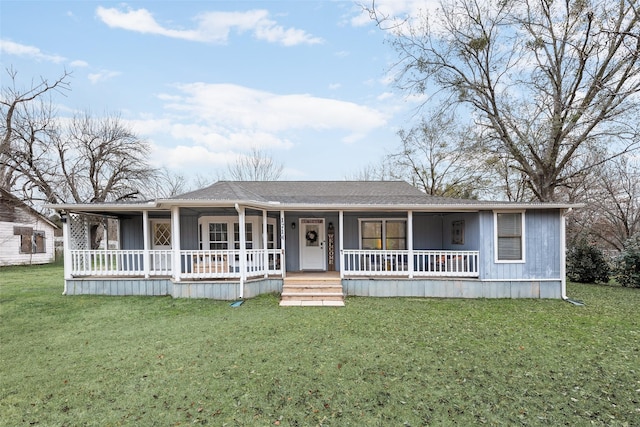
110 361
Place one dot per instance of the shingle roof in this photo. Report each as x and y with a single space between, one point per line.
313 195
315 192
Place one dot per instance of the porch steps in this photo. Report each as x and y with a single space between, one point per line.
312 291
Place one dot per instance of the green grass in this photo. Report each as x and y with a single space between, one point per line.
110 361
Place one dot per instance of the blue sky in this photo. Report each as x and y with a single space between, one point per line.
308 82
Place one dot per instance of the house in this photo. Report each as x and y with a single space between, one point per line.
315 242
26 236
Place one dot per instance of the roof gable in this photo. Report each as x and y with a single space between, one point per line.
10 203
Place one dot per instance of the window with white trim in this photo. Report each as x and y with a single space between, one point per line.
509 240
271 236
218 235
222 232
248 235
383 234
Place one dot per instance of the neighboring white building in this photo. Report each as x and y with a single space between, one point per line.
26 236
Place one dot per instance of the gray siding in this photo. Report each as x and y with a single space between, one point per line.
118 287
226 290
131 236
189 239
452 288
542 248
264 286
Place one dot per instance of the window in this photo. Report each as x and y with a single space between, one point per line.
271 236
161 234
218 235
383 234
31 242
222 233
509 236
248 235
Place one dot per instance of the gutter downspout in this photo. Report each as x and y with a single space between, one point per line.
563 252
243 250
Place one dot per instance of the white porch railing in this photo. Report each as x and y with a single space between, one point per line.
226 263
194 264
197 264
396 263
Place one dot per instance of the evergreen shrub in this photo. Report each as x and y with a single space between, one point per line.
628 267
586 263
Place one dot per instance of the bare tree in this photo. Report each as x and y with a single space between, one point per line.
546 80
441 158
166 185
373 172
257 166
612 204
15 104
82 159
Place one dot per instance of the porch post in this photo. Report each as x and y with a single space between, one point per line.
175 242
341 241
105 232
66 249
410 242
265 243
242 230
146 240
283 253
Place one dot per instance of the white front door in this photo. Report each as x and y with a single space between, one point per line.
312 244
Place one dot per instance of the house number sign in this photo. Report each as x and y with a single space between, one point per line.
331 239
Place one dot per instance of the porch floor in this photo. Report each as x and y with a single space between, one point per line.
312 289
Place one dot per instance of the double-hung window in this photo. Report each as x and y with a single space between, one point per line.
248 235
218 236
383 234
509 240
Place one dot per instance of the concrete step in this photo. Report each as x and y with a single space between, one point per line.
312 291
307 296
315 282
298 303
312 288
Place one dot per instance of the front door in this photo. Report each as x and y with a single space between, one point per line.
161 240
312 244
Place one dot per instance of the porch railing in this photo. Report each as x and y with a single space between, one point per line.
197 264
194 264
120 262
396 263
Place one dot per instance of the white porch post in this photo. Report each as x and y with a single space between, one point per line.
410 242
283 253
146 240
242 230
175 242
105 232
66 250
341 241
265 243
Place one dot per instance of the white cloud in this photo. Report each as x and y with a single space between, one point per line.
79 63
240 107
102 76
212 27
214 123
396 11
8 47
